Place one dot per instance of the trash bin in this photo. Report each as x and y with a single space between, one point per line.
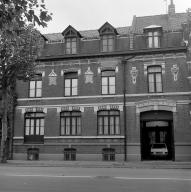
33 154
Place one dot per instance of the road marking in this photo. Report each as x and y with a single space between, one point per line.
112 177
154 178
56 176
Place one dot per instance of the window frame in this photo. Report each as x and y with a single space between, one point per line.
71 45
70 117
36 79
36 118
108 38
71 76
149 73
108 85
104 122
153 38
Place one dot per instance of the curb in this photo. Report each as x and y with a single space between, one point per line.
99 164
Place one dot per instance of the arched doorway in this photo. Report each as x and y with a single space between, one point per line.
157 135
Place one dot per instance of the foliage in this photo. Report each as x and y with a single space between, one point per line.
16 13
19 45
18 54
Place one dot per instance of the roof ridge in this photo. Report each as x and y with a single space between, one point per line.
159 15
86 30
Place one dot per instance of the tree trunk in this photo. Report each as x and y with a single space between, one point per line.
4 127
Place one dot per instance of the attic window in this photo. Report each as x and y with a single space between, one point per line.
71 37
153 39
71 45
107 43
153 36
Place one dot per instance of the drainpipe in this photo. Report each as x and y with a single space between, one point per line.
124 63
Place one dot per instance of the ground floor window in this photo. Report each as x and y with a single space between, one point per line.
108 122
69 154
108 154
70 123
34 127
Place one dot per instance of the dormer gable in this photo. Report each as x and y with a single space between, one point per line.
107 29
152 28
70 32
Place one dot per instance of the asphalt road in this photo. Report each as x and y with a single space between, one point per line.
60 179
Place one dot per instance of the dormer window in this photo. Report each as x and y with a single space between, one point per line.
108 34
71 37
107 43
71 45
153 36
153 39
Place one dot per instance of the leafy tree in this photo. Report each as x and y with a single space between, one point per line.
19 42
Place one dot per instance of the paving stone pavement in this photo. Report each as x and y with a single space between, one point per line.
99 164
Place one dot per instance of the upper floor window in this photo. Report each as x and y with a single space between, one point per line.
153 34
71 36
153 38
34 127
107 43
108 122
154 79
35 86
108 35
71 45
108 82
71 84
70 122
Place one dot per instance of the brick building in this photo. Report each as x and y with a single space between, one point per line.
109 94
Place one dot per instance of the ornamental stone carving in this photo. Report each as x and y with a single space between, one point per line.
134 73
52 78
89 76
175 70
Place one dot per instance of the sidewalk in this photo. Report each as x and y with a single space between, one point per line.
101 164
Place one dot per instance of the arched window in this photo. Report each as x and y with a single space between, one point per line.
70 123
34 127
108 122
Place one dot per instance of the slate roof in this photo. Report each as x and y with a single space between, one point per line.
168 23
87 34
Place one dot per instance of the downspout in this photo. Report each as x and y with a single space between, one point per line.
124 110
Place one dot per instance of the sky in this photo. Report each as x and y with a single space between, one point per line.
92 14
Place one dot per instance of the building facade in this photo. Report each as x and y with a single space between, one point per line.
109 94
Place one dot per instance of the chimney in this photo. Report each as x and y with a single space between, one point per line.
171 8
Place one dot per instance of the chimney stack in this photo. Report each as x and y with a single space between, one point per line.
171 8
